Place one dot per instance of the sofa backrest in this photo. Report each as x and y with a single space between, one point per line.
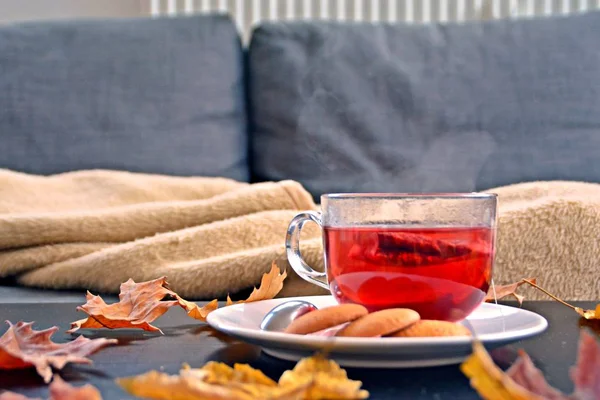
340 107
154 95
346 107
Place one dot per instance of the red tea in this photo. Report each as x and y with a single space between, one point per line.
442 273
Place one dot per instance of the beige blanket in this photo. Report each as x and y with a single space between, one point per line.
213 236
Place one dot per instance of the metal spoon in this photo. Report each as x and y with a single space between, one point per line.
281 316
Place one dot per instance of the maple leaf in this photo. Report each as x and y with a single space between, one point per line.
507 290
312 379
142 303
271 283
23 347
490 381
15 396
60 390
323 379
523 381
197 312
586 373
139 305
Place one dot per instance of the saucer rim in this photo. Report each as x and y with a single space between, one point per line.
214 320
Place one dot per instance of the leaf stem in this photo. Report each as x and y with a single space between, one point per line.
550 294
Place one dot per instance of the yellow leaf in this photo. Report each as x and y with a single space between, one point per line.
197 312
489 380
241 373
312 379
324 379
589 314
156 385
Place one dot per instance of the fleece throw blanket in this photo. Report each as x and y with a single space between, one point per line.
213 236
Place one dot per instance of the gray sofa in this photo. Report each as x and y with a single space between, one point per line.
338 107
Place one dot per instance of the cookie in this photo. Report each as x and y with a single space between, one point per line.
380 323
324 318
430 328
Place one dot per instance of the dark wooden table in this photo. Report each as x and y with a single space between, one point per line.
554 352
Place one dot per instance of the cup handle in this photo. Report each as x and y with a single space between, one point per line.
292 248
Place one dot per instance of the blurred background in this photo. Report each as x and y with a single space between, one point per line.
249 12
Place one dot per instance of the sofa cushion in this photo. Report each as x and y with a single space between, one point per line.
347 107
150 95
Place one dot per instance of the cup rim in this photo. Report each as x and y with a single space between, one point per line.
449 195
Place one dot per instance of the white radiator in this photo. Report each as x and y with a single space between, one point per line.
249 12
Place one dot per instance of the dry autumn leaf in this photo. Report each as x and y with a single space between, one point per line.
15 396
324 380
270 284
499 292
523 381
312 378
142 303
23 347
139 305
60 390
490 381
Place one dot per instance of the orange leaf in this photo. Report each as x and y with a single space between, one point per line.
507 290
523 381
589 314
15 396
489 380
270 284
139 305
142 303
60 390
312 378
197 312
23 347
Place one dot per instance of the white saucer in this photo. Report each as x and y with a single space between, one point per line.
495 325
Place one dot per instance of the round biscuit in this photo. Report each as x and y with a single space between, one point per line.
324 318
380 323
430 328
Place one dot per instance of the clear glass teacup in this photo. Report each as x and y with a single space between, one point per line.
433 253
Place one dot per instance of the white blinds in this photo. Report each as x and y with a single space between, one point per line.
249 12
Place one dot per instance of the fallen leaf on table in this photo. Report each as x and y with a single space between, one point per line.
525 374
60 390
589 314
193 384
23 347
325 380
270 284
139 305
507 290
523 381
197 312
142 303
586 373
15 396
312 379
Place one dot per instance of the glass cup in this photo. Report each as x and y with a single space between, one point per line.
433 253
